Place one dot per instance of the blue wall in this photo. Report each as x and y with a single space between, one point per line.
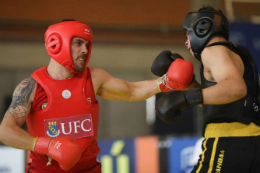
247 35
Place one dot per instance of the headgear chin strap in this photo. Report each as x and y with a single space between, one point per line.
201 26
58 41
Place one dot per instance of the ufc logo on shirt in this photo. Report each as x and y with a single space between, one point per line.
75 126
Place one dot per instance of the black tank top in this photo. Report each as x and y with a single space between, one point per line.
243 110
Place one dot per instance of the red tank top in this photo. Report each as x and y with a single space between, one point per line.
63 108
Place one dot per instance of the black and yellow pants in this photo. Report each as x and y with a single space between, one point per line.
230 148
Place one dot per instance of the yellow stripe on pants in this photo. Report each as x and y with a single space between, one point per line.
211 163
202 155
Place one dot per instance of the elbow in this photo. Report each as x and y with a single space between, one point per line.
244 92
4 130
241 91
236 89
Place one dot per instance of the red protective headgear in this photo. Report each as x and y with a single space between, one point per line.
58 41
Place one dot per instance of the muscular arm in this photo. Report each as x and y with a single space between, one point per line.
11 132
112 88
226 68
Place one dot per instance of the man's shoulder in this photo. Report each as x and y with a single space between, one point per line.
27 88
99 76
97 71
215 52
29 80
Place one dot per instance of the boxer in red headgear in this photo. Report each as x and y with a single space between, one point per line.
59 105
67 112
58 38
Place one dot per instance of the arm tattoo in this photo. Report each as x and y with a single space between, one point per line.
20 103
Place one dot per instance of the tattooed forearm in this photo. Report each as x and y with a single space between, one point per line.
20 102
18 113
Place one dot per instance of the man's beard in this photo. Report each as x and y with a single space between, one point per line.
80 68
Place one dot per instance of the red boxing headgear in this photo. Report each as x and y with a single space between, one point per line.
58 41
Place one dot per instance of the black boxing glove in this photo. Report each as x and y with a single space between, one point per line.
163 61
169 106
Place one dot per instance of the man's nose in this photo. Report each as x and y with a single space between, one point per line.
84 49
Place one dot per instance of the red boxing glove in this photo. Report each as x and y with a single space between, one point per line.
65 150
178 77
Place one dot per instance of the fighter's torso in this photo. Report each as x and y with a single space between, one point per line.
63 108
234 57
236 111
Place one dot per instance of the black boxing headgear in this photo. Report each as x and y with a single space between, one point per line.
202 25
58 41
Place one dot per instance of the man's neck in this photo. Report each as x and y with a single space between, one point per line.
58 72
216 39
